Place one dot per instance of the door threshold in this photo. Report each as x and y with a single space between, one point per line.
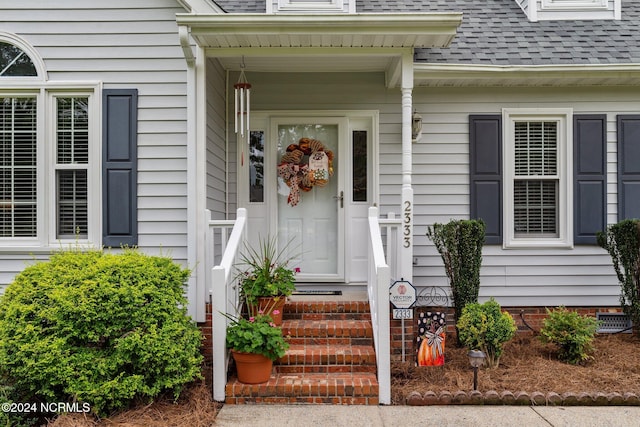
316 292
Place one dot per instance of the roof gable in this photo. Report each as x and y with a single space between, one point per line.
498 32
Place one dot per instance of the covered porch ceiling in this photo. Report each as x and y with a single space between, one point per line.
318 43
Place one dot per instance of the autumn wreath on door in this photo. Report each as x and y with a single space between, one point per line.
305 165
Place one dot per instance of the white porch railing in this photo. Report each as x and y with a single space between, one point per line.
223 290
224 240
378 290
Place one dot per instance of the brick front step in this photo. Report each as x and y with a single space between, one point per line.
344 388
331 359
314 332
318 310
328 358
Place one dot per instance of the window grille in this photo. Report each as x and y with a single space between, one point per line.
72 154
72 203
14 62
73 130
18 155
535 186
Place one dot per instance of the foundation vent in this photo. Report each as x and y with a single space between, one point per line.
614 322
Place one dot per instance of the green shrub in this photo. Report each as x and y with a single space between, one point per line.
622 241
98 328
571 332
459 243
11 418
486 327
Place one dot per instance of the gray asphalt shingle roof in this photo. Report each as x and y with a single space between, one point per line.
497 32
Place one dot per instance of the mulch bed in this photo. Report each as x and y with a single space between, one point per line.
530 368
194 408
529 373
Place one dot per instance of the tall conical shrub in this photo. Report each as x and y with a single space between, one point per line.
622 241
459 243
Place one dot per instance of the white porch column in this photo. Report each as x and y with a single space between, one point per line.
199 176
406 208
197 290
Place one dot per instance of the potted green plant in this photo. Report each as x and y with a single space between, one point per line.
267 281
255 342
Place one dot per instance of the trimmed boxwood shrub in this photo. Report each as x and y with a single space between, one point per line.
486 327
98 328
459 243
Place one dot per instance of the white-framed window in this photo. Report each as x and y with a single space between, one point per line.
571 10
538 185
309 4
302 6
49 156
71 166
574 4
19 193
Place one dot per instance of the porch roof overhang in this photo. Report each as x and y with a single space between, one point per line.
462 75
319 43
326 30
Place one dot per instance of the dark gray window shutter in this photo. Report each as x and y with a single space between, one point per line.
119 167
485 137
590 177
628 167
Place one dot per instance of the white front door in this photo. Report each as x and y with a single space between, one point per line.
322 223
309 213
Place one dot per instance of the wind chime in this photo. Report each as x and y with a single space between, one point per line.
241 103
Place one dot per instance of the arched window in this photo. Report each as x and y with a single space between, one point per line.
49 149
15 62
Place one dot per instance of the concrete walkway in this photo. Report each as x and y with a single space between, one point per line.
415 416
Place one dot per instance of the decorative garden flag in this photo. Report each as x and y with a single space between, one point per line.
432 328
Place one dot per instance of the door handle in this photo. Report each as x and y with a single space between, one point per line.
341 198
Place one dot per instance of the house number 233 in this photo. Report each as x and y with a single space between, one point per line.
407 224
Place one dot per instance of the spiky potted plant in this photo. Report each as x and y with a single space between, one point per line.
267 280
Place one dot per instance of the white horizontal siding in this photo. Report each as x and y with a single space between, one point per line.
217 176
579 276
158 215
162 178
12 264
172 189
123 44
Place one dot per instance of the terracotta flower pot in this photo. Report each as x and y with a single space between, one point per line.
272 307
252 368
